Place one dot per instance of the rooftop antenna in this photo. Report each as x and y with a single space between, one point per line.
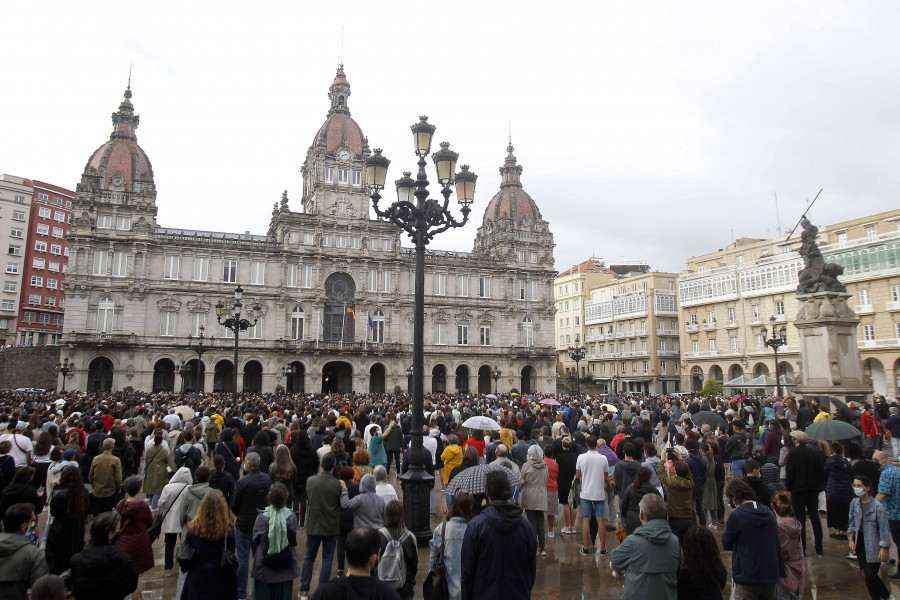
129 74
777 214
509 125
341 57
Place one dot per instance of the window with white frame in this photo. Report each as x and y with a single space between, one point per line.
12 267
895 293
50 300
522 286
290 278
53 265
37 281
755 311
897 330
306 272
484 288
485 336
40 246
18 215
695 346
711 317
440 333
105 312
101 262
60 216
44 318
527 332
167 323
8 305
307 238
712 344
759 341
378 326
871 233
372 283
462 334
14 250
734 342
104 221
865 297
254 332
198 319
329 174
43 229
58 319
257 272
229 271
57 232
298 319
119 264
171 266
122 223
462 286
343 176
440 284
662 367
357 178
44 212
869 333
646 367
17 232
55 249
201 268
693 319
731 315
386 281
779 308
9 286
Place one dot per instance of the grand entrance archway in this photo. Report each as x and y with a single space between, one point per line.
189 383
296 380
223 377
529 380
439 379
462 379
253 377
100 375
376 379
484 380
164 375
337 377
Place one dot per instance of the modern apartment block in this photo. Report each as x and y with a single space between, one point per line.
632 334
727 297
40 317
15 205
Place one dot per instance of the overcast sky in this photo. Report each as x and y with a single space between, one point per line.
654 131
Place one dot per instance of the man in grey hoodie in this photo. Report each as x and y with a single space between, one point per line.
21 563
367 506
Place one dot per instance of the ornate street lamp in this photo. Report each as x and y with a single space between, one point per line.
287 372
409 379
237 324
64 369
199 347
421 218
577 354
184 369
778 339
496 375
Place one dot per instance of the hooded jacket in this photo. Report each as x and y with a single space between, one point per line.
498 560
103 572
625 474
21 563
751 533
451 457
679 492
191 502
650 558
533 495
789 531
630 507
134 540
367 506
170 502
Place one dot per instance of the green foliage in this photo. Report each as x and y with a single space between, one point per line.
398 390
279 390
712 388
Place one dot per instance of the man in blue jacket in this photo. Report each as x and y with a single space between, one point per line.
751 533
498 551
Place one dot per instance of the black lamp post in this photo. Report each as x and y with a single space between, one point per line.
199 347
496 375
237 324
409 379
64 369
778 339
287 372
421 218
184 369
577 354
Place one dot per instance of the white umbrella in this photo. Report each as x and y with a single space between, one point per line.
482 423
186 412
491 396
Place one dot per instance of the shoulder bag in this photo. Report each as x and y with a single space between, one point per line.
186 554
436 586
155 530
229 559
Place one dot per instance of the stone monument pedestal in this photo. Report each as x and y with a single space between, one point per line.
830 363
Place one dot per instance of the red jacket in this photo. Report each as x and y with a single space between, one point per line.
870 426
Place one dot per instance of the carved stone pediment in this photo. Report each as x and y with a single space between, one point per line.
441 315
169 302
342 209
485 318
198 305
463 317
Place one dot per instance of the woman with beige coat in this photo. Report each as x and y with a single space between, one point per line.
533 496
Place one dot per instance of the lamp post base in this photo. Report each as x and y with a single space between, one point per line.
417 484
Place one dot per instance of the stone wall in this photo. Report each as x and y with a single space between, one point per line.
33 367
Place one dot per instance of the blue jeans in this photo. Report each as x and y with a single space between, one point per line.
312 550
242 547
737 467
593 508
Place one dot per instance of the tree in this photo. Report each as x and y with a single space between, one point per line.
712 388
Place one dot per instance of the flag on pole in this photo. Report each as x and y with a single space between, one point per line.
321 322
371 324
351 312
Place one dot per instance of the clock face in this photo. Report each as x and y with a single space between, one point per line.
344 154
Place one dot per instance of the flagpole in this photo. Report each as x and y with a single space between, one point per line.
343 321
319 328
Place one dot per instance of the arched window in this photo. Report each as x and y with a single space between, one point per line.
527 332
297 319
378 327
105 311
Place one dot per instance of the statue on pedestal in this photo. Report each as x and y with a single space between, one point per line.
816 276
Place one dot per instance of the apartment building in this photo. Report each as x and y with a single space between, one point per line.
633 335
727 297
15 206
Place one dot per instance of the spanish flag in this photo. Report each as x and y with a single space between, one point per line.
351 313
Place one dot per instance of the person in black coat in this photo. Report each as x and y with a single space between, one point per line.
231 452
804 479
20 490
250 496
102 570
262 445
307 462
698 472
68 507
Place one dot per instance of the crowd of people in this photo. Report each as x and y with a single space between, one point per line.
224 486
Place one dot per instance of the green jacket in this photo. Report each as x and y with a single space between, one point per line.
191 502
650 558
394 439
155 473
323 505
21 564
211 432
679 491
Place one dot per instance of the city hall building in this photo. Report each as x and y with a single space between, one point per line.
334 287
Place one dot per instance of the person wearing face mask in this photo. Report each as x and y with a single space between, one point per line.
869 537
889 496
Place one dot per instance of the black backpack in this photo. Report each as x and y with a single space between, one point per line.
190 459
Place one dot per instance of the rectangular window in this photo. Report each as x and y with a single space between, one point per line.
329 174
759 341
695 346
755 311
43 229
257 272
171 266
357 178
646 367
44 318
57 232
532 257
710 316
373 280
462 335
101 262
306 272
440 331
532 290
18 215
868 332
440 284
662 367
15 250
386 281
462 286
104 221
52 284
34 298
122 223
229 271
167 323
197 320
865 297
484 287
734 343
895 293
201 268
12 268
37 281
712 345
57 319
44 212
485 337
49 301
693 319
871 233
520 255
40 246
8 305
9 286
343 176
307 238
290 278
17 232
731 315
120 264
522 286
779 307
55 249
54 265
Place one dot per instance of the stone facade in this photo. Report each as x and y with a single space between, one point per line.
29 368
335 288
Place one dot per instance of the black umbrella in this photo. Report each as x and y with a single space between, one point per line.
473 479
707 417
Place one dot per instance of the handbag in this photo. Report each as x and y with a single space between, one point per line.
575 494
436 586
185 555
155 530
229 558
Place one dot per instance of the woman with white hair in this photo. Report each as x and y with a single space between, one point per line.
382 486
533 497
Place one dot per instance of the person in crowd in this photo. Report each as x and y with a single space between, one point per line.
791 586
49 587
250 496
21 563
282 470
383 487
752 470
220 479
838 491
307 463
871 427
804 479
699 470
651 556
451 457
345 475
105 478
470 459
889 496
592 469
137 518
210 534
892 426
20 490
361 459
192 498
499 548
448 539
156 464
367 506
323 523
702 575
275 564
230 450
869 536
123 451
170 503
21 447
503 460
363 548
552 490
738 448
675 476
376 445
533 495
566 459
262 445
393 445
101 570
631 499
68 507
395 529
751 534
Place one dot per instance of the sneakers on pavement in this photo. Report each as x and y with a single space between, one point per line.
584 551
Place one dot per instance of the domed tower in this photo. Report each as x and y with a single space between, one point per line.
512 228
334 170
117 189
